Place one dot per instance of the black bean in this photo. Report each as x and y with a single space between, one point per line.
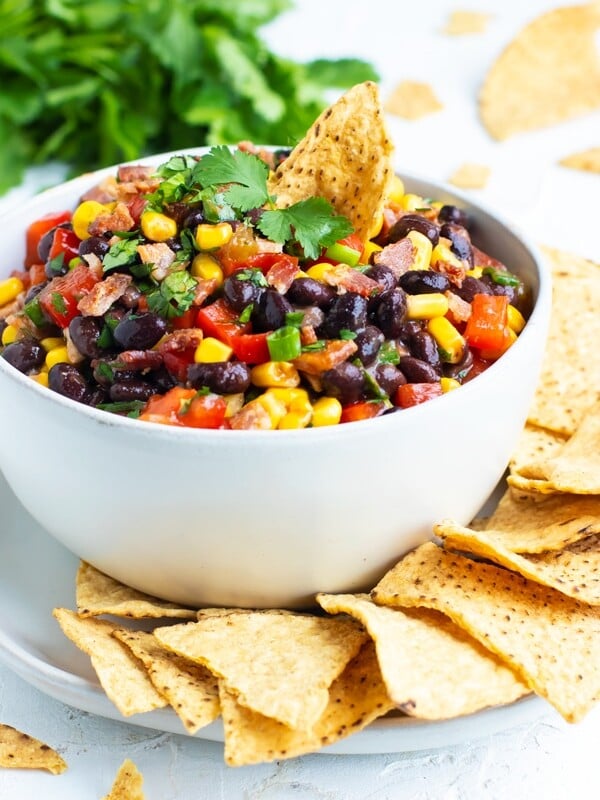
105 373
162 380
34 291
309 292
470 287
462 368
453 214
348 312
383 275
94 245
85 332
254 215
194 218
346 381
26 355
223 377
269 311
139 331
131 297
67 380
423 281
240 293
389 378
424 347
417 371
414 222
123 391
409 329
95 396
368 341
391 313
499 289
45 243
460 241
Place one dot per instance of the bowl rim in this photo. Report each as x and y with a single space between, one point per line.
538 316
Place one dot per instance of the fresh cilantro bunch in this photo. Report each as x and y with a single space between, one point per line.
103 81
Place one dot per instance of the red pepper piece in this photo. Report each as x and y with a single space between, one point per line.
185 408
362 409
65 243
60 297
486 327
37 229
251 347
412 394
221 321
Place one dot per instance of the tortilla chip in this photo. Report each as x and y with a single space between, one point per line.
463 22
586 160
21 751
355 699
550 640
128 783
432 669
536 81
534 448
345 157
412 100
567 265
530 485
524 523
98 593
190 688
569 382
121 675
573 574
279 665
470 176
576 468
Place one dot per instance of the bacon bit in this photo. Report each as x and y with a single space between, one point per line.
352 280
134 172
94 263
139 360
180 340
265 246
10 308
458 309
126 192
313 316
307 335
391 215
334 352
252 417
399 257
281 275
159 255
265 155
482 259
119 219
453 272
104 192
101 296
204 289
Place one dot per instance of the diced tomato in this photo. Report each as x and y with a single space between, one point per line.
37 229
412 394
185 408
263 261
221 321
282 273
136 206
487 325
186 320
37 274
493 354
65 243
204 411
178 349
163 408
354 412
251 347
60 297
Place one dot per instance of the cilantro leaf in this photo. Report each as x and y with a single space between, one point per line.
174 295
245 171
120 254
312 223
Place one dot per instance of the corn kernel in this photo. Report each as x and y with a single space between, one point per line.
426 306
475 272
410 202
442 252
437 204
447 338
376 226
50 342
449 384
516 320
396 190
318 271
275 373
422 250
295 420
211 351
84 215
301 274
293 398
207 268
234 403
157 227
370 248
10 289
41 378
9 334
58 355
326 411
294 402
211 237
274 407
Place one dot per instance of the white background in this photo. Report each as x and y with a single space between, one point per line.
544 759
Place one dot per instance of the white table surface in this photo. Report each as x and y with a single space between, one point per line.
543 759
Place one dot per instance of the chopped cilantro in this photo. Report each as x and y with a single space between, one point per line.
56 264
246 173
314 347
246 313
388 353
253 275
347 334
131 408
121 253
103 369
174 295
58 303
294 318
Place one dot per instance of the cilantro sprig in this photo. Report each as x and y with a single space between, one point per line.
174 295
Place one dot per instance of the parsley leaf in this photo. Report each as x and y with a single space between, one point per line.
174 295
58 303
121 253
247 174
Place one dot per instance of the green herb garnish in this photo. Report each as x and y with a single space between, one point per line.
121 254
174 295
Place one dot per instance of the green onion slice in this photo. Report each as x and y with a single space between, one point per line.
284 343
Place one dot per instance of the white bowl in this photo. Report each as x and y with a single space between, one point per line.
254 518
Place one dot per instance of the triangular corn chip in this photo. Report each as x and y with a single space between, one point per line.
128 783
21 751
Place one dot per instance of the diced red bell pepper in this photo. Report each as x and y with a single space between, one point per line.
65 243
487 325
221 321
37 229
136 207
362 409
186 320
178 350
412 394
60 297
251 347
186 408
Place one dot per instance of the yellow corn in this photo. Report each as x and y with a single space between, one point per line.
436 204
442 252
234 403
275 408
207 268
319 271
297 404
370 248
58 355
301 274
9 334
426 306
476 272
516 320
211 237
396 190
294 420
448 339
84 215
157 227
41 378
376 226
422 249
448 384
326 411
211 350
50 342
275 373
10 289
410 202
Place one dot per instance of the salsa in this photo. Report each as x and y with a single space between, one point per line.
182 295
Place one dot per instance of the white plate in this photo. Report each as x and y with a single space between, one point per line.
37 574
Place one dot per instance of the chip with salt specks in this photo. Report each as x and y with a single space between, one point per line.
344 157
280 665
534 448
568 265
432 669
97 593
412 100
355 699
537 81
576 468
575 574
464 22
190 688
586 160
549 639
21 751
121 675
470 176
128 783
526 523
